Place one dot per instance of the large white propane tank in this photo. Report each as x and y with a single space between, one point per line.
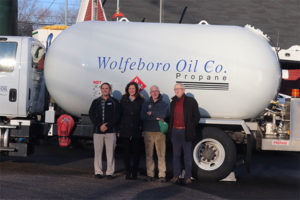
232 72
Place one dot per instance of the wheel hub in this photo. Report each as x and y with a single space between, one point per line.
208 153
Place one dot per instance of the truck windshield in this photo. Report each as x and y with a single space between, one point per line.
7 56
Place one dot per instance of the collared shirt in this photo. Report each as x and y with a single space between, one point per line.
103 109
178 121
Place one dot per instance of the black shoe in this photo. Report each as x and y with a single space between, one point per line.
162 180
109 177
149 179
134 176
128 176
99 176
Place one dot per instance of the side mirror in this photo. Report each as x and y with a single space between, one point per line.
49 39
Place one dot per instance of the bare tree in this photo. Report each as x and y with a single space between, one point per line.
59 15
30 12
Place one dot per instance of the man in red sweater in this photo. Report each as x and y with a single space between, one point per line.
184 117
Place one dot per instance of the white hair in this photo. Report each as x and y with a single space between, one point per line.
154 86
181 85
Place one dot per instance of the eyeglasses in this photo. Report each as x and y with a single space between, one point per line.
154 91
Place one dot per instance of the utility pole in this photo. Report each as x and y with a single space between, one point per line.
66 12
160 11
118 8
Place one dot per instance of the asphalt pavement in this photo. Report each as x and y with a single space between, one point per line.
67 173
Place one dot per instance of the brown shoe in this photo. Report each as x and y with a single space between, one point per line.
187 181
175 179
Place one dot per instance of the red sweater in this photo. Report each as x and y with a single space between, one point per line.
178 120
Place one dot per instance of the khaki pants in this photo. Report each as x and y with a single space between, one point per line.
159 140
109 140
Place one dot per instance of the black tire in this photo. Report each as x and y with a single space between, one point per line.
212 134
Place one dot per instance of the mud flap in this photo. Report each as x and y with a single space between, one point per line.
249 152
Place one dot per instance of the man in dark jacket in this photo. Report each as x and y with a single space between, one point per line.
104 114
184 117
152 111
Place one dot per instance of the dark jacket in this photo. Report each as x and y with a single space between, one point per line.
159 109
191 116
131 123
111 115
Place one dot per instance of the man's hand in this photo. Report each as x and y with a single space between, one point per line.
103 127
149 113
161 119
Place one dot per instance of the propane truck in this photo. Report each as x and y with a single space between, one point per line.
232 72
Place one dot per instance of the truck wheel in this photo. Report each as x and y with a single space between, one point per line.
214 155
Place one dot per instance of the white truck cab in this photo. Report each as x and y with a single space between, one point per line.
21 72
22 92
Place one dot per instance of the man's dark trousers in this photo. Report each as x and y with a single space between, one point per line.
178 141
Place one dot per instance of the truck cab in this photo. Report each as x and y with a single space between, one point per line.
22 92
21 76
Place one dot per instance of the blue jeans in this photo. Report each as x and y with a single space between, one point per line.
178 142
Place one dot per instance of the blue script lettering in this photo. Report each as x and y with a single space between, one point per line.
113 65
166 67
219 68
207 67
102 62
141 64
126 62
132 65
152 65
121 63
178 63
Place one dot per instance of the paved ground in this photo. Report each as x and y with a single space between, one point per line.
58 173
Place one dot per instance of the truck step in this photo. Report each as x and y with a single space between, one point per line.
7 126
7 149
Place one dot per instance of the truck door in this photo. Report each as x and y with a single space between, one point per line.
9 78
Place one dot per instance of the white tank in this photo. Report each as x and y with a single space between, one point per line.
231 71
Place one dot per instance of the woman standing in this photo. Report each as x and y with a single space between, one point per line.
130 129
